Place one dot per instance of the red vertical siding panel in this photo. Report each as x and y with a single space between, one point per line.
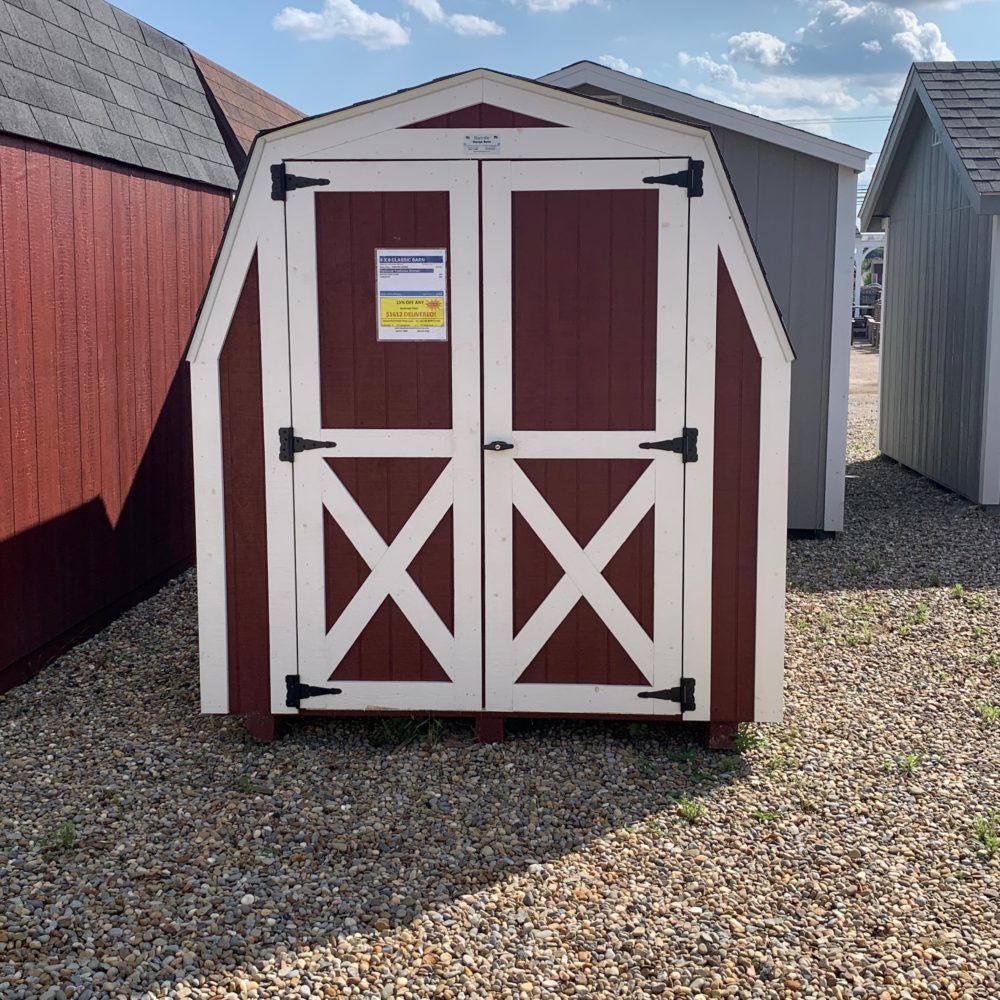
67 360
241 384
20 343
735 508
85 282
160 359
174 341
43 332
141 346
175 371
125 376
106 324
6 425
185 259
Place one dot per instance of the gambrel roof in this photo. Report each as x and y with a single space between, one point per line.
244 108
84 75
962 101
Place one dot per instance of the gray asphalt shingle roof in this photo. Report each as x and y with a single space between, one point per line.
966 96
86 75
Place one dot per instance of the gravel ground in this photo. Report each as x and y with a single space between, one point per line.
148 851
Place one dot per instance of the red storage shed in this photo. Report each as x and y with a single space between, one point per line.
115 185
491 418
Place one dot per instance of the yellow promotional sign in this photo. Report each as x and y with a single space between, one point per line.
396 311
411 289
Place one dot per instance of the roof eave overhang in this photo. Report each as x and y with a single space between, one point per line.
876 203
709 112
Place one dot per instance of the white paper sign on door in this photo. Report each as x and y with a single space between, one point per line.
411 286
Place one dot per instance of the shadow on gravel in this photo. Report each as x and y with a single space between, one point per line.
901 532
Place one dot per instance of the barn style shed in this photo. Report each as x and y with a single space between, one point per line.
491 418
798 193
115 185
936 194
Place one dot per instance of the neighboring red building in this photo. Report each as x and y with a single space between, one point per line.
115 184
241 109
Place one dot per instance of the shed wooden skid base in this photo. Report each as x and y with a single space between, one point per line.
490 728
559 493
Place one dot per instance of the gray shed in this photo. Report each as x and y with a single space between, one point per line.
798 192
936 194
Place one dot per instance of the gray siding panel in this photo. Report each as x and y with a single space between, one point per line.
934 342
790 203
789 200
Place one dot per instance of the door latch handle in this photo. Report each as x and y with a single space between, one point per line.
497 446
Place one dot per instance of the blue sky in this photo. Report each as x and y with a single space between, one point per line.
813 61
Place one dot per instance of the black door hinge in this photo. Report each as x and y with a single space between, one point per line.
692 178
289 444
684 694
686 445
282 182
295 691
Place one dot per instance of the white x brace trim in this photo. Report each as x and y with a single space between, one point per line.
388 563
583 571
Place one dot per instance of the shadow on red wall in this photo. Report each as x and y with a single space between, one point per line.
63 580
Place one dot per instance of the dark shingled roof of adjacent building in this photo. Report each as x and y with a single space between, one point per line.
966 96
87 76
244 108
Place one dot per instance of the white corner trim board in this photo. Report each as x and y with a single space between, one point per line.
989 474
840 351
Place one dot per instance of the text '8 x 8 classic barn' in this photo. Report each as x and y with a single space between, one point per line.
491 418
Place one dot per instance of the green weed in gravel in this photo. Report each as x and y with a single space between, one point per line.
986 830
690 809
987 712
61 839
749 737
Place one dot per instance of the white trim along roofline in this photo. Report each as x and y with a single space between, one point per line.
676 101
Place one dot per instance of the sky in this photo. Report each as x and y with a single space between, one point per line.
834 67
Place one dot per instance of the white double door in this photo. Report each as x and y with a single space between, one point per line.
487 622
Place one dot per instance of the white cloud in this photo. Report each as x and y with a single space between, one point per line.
947 4
461 24
619 64
472 24
839 39
556 6
759 48
846 58
721 72
431 9
343 18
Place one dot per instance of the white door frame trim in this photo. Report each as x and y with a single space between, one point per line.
317 485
